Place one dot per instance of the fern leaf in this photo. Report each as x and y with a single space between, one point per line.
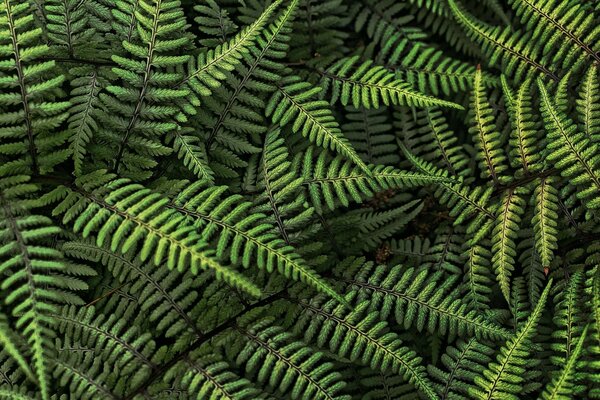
240 235
573 26
207 375
519 59
478 277
332 325
587 104
488 140
504 377
545 221
294 103
339 180
28 128
561 386
524 154
369 86
193 155
8 341
33 272
464 203
418 298
205 73
115 209
462 363
504 235
84 112
571 151
272 355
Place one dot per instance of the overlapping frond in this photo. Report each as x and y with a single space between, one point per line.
35 275
418 298
29 120
360 335
125 216
372 86
337 180
571 151
273 356
504 377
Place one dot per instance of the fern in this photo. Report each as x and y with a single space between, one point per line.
504 377
561 386
369 86
299 199
287 365
461 366
491 156
504 235
403 292
313 118
28 124
35 276
113 208
378 348
570 151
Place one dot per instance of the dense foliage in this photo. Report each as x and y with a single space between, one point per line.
299 199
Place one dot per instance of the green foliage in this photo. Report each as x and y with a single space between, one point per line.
299 199
505 377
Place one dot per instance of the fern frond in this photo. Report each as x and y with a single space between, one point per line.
233 115
84 112
462 363
9 341
464 203
504 235
139 111
193 153
569 320
81 373
113 341
559 24
115 209
545 220
418 298
360 335
207 375
272 355
504 377
29 121
561 387
518 57
433 139
339 180
214 22
488 140
368 85
382 386
377 226
69 28
571 151
370 134
592 290
282 196
205 73
167 296
33 273
587 104
295 103
239 236
478 279
524 154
